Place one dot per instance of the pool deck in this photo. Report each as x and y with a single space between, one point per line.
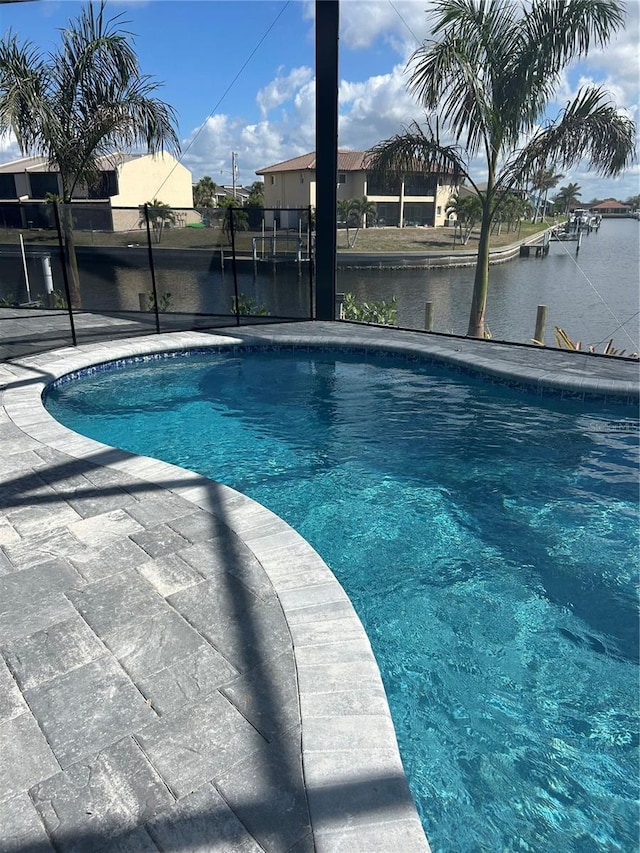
179 670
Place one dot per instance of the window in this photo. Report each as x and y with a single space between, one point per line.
43 183
419 184
8 187
302 177
381 184
439 211
273 179
342 178
106 186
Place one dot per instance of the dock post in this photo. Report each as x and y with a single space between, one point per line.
541 322
428 317
579 241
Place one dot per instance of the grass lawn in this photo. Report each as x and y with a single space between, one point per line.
369 240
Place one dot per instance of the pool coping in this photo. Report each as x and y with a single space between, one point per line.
333 743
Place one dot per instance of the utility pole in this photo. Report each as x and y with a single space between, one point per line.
234 171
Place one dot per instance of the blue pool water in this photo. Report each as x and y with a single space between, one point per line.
488 540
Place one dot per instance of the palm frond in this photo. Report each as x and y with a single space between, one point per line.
415 151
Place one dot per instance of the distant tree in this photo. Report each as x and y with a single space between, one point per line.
543 180
567 197
492 72
204 193
634 201
80 103
361 212
256 195
467 211
240 218
344 214
160 214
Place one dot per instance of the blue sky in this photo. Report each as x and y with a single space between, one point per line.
240 74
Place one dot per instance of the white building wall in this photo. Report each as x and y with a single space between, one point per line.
149 177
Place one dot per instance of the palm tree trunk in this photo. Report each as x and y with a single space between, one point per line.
72 258
481 282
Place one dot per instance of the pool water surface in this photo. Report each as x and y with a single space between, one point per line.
488 540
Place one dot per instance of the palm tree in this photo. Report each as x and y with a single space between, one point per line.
468 212
345 206
159 215
567 197
543 180
204 193
361 209
492 73
81 103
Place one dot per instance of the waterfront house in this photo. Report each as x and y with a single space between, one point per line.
112 204
415 199
611 207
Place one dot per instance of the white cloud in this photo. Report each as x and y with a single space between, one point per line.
282 88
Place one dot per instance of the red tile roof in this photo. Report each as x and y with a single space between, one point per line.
348 161
610 204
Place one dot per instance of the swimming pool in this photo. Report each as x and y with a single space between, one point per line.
488 542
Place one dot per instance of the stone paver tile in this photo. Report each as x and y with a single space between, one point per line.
266 791
198 743
202 823
149 645
244 634
100 530
405 835
168 574
54 544
53 651
32 599
20 827
345 733
158 508
6 566
28 520
198 526
92 501
25 755
267 695
228 553
158 540
336 677
122 554
136 841
88 708
8 534
189 680
116 602
357 799
96 805
348 702
11 702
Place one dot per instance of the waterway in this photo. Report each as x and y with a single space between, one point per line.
593 295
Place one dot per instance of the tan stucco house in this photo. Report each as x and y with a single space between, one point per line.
127 181
416 199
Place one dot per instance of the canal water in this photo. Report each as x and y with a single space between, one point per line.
593 295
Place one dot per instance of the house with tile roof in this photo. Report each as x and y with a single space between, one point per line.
126 181
611 207
412 200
